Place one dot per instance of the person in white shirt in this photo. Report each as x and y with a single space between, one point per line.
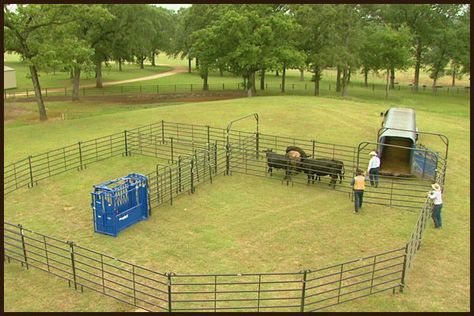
437 198
373 169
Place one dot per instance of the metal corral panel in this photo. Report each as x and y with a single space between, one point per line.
400 118
9 78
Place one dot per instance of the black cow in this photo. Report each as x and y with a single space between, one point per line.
323 167
277 161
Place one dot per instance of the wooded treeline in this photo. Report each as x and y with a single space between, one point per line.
247 40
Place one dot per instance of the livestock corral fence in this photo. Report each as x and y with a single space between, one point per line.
192 154
166 90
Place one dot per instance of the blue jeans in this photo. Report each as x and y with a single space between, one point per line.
374 177
358 195
437 215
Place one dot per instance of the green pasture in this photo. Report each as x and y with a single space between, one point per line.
242 223
58 79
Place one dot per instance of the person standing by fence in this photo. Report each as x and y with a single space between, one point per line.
358 184
373 169
437 198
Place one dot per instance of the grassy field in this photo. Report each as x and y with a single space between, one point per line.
239 223
62 79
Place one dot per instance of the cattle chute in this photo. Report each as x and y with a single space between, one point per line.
120 203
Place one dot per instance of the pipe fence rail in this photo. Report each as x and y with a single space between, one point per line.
306 290
196 154
239 87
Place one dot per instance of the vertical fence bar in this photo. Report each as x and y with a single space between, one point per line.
171 148
192 174
340 284
169 292
134 286
31 172
215 293
373 273
171 186
25 258
215 157
80 154
405 267
314 145
102 272
126 142
178 189
303 290
73 263
46 253
162 131
258 293
208 137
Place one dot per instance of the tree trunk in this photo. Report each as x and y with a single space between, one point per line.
120 64
392 78
75 83
453 82
417 66
254 86
221 72
98 71
301 74
71 74
205 86
197 63
317 78
245 82
387 83
338 79
283 78
142 59
344 81
249 84
366 75
39 97
153 58
349 76
189 65
435 80
262 79
276 73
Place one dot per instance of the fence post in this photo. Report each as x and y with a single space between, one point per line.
171 187
208 137
169 291
340 283
31 172
23 246
215 157
162 131
314 145
178 189
192 175
80 154
373 273
405 260
134 286
46 89
257 144
303 290
126 142
27 93
73 264
223 87
172 158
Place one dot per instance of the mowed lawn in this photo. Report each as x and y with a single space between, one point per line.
245 224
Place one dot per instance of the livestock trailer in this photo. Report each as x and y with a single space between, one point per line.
120 203
397 146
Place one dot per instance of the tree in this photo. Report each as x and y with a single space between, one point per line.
424 21
26 29
314 38
78 44
393 48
